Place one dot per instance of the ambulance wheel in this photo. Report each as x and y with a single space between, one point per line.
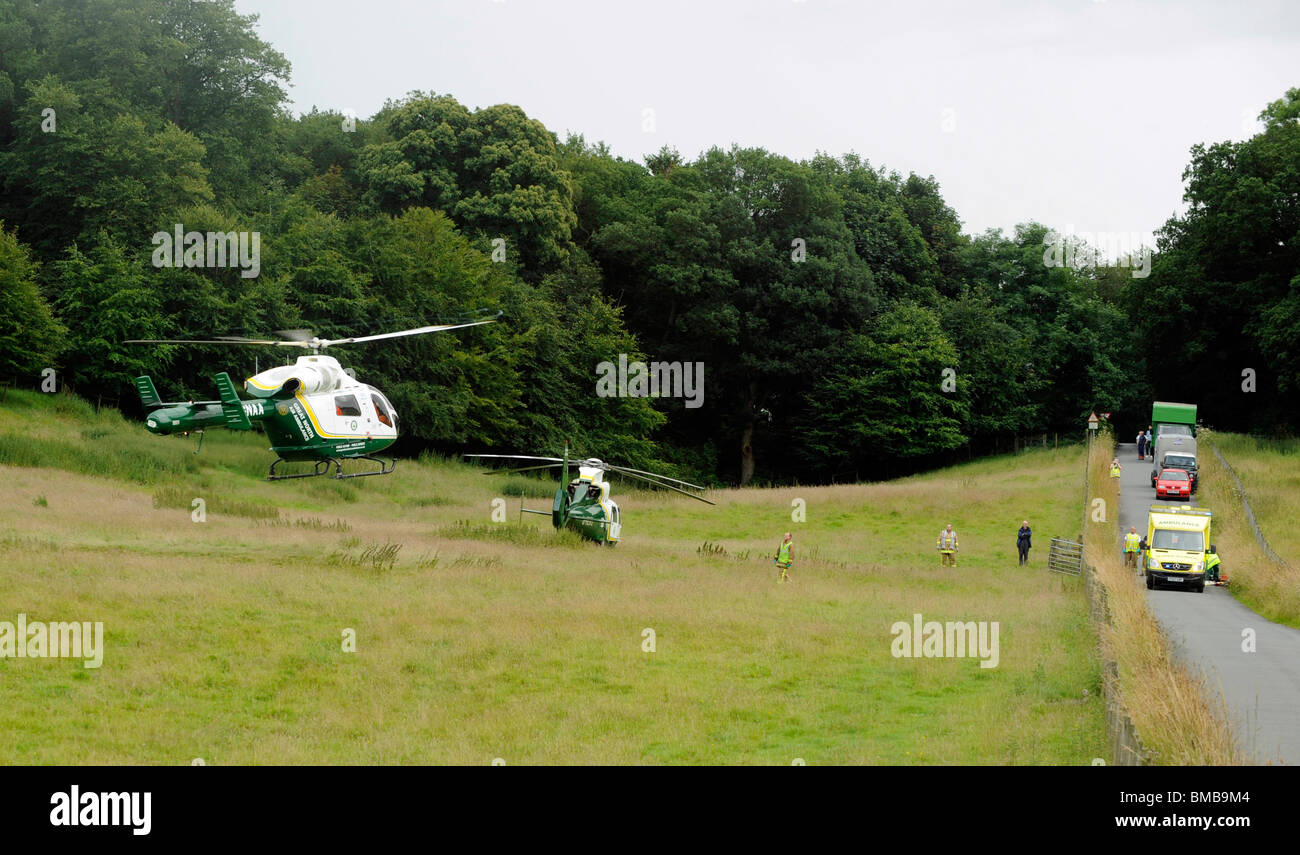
1200 589
1151 582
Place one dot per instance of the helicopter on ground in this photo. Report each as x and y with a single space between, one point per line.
313 410
584 505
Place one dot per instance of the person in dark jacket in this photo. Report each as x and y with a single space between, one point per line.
1022 542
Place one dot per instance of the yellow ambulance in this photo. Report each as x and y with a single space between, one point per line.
1177 538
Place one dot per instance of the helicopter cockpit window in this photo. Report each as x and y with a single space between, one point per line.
381 410
346 405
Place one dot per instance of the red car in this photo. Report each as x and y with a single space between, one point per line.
1174 484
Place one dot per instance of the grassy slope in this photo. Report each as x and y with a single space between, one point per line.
1270 472
480 641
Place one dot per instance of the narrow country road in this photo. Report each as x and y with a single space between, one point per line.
1262 689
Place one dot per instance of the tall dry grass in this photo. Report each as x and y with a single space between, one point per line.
1180 719
1270 473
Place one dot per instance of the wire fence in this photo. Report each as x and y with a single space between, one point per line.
1240 489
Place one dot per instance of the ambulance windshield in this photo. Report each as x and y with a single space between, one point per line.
1187 541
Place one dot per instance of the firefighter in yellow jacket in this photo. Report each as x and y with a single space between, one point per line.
947 547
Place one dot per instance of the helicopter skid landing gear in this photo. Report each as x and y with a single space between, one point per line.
322 467
385 467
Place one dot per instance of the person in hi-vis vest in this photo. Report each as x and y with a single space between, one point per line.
1213 565
948 547
784 556
1132 543
1115 470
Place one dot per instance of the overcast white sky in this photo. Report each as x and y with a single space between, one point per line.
1075 113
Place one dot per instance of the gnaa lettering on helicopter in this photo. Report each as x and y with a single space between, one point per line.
313 411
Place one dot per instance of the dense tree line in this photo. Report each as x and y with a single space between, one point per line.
1220 314
847 326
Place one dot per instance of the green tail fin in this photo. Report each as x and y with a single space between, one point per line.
148 394
231 406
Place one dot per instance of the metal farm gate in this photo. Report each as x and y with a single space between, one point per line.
1065 556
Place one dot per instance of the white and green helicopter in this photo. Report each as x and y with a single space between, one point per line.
584 504
314 410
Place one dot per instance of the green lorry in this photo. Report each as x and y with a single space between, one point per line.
1173 431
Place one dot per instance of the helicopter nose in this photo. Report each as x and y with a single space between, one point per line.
158 423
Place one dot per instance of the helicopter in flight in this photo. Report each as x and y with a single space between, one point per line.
584 504
313 410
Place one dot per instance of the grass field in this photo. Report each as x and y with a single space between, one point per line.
477 640
1270 474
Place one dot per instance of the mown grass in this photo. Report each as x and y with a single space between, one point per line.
1270 474
1179 717
477 640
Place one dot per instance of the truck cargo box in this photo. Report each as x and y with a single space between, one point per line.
1173 413
1173 443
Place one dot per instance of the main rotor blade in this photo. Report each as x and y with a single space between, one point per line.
230 340
656 475
416 331
668 487
305 339
521 469
517 457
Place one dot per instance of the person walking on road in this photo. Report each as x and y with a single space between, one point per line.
785 556
1022 542
1131 545
947 547
1142 445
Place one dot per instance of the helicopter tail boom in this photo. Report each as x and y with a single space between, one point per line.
165 418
